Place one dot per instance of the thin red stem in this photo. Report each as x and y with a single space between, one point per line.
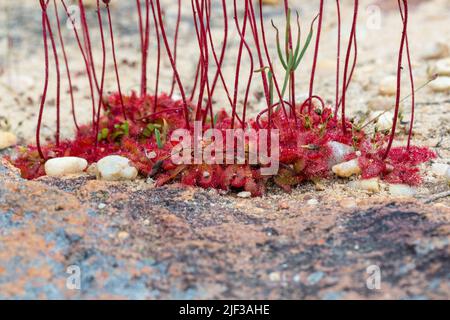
87 40
158 60
102 79
172 62
242 35
347 61
254 26
44 92
66 62
86 61
145 50
239 59
219 62
197 73
263 33
116 68
175 45
290 48
316 53
399 78
58 80
411 77
338 59
140 23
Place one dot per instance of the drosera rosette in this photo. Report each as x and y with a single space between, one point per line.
310 134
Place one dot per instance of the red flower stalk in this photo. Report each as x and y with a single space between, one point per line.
197 73
174 67
347 61
316 54
87 41
243 42
204 56
58 79
269 60
102 80
239 58
140 23
254 27
338 59
219 62
113 48
85 58
290 48
175 45
399 78
146 43
411 77
158 62
43 4
66 62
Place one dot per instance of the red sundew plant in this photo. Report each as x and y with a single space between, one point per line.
141 126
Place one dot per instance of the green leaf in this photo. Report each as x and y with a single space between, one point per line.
270 75
308 42
280 52
299 36
158 139
103 134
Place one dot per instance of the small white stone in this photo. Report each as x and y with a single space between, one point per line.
339 152
370 185
402 190
347 169
275 277
244 194
102 206
385 121
151 155
388 86
442 67
116 168
440 169
59 167
441 84
313 202
7 139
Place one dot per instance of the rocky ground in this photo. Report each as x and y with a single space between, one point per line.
132 240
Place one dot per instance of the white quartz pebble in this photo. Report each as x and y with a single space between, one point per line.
116 168
59 167
347 169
